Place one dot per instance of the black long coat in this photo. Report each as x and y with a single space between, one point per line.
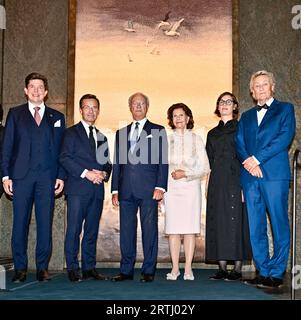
227 234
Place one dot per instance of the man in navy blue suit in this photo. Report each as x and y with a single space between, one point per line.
31 172
139 180
263 138
85 157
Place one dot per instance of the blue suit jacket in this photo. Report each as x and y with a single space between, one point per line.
139 174
76 156
17 141
268 142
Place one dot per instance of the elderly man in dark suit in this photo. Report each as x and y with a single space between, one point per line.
139 181
31 172
85 157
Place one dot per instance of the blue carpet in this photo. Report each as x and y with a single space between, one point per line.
60 288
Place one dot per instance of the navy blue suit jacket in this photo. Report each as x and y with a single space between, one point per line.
17 141
147 168
76 156
268 142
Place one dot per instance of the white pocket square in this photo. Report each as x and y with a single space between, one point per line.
57 123
149 136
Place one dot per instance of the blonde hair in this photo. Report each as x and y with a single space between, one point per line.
262 73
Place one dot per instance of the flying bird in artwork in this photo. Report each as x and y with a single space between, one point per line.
130 27
163 24
173 30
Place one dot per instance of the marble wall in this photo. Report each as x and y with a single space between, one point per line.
267 40
35 39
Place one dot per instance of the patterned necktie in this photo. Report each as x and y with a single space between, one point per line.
92 140
135 136
37 116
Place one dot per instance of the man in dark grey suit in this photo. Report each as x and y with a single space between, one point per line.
139 180
87 170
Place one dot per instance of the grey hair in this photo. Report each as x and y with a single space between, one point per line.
138 94
262 73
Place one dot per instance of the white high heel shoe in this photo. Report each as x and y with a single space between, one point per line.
172 276
188 276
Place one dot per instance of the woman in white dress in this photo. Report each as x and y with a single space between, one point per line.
188 163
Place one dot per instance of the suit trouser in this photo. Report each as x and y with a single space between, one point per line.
87 209
128 234
271 196
36 187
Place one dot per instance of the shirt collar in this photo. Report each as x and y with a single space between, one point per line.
141 122
31 107
269 102
86 125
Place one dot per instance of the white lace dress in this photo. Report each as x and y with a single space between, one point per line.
183 197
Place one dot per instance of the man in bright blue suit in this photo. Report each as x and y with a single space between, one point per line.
263 138
139 180
31 172
85 157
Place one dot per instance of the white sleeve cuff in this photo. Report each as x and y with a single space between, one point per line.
256 160
5 178
83 175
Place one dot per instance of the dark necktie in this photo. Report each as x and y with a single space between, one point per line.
262 107
92 140
135 136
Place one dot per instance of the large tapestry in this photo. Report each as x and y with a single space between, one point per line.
173 51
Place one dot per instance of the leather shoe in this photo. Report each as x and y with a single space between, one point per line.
233 276
147 277
74 276
93 274
255 281
42 275
122 277
271 282
219 275
20 276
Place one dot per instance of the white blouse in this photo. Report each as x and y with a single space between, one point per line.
187 152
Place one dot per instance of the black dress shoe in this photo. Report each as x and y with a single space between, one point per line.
42 275
74 276
147 277
270 282
20 276
93 274
255 281
219 275
122 277
233 276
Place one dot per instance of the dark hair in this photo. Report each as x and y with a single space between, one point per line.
1 112
187 111
235 102
36 75
88 96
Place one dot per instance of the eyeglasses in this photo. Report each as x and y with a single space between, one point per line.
225 102
93 108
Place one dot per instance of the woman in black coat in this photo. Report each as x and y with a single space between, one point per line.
227 234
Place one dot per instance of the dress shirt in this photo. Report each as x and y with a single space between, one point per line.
260 115
86 126
31 107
